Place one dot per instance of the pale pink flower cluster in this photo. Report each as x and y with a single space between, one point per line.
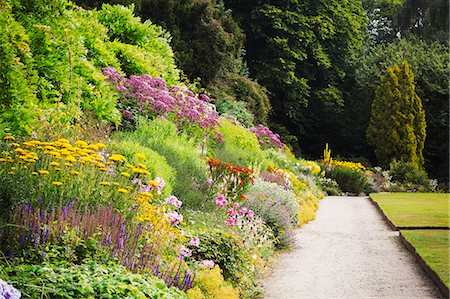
174 217
173 200
233 212
221 201
195 241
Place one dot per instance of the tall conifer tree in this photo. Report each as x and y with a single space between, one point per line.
397 124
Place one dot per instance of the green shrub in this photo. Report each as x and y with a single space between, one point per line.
349 180
409 176
237 109
181 154
239 146
278 209
330 186
227 250
89 280
156 164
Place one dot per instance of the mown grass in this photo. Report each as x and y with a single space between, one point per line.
432 246
415 209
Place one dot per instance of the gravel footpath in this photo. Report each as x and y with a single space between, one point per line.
347 252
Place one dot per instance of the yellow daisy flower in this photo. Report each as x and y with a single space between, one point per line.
122 190
42 171
57 183
125 174
140 156
105 183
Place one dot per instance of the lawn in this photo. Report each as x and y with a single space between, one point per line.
432 246
415 209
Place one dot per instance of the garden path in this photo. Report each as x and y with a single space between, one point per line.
347 252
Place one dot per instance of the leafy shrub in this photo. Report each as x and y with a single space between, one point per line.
236 88
155 163
239 146
54 52
210 283
348 180
409 176
330 186
89 280
226 249
181 154
277 208
238 110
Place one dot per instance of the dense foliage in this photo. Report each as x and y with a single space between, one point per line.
397 124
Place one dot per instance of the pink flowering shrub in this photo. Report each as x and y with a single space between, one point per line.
267 138
148 96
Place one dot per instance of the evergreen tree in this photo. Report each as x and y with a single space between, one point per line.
397 124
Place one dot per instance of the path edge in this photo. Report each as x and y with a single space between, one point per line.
430 272
433 276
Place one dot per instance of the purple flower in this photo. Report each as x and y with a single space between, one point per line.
7 291
209 264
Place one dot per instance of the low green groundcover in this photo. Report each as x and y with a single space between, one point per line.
415 209
432 246
89 280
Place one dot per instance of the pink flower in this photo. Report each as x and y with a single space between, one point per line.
232 212
173 200
236 205
250 214
231 221
243 211
209 264
195 241
174 218
184 252
137 181
160 182
221 201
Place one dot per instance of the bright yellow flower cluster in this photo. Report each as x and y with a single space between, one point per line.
349 165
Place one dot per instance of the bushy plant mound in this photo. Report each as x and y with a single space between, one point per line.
90 280
210 283
350 181
53 54
408 177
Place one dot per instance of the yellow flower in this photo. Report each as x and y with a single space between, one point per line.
58 169
73 172
100 145
125 174
54 163
2 160
55 153
117 158
122 190
9 137
141 166
81 143
146 194
11 172
116 184
57 183
109 163
42 171
140 156
105 183
103 169
70 159
63 140
34 173
153 183
15 144
68 164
